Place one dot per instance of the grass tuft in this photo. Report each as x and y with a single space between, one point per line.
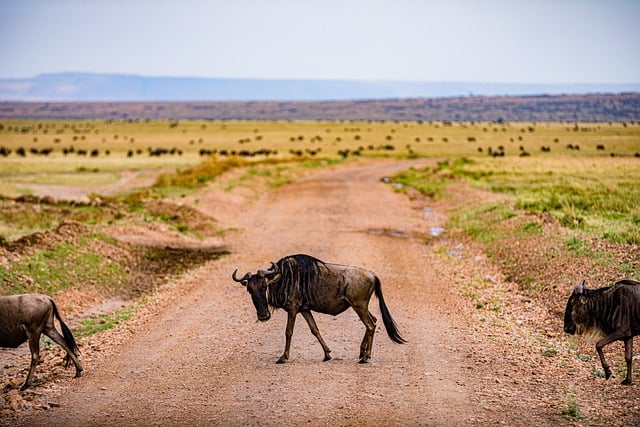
570 409
103 322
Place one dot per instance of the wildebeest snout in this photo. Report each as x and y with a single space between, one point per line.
263 316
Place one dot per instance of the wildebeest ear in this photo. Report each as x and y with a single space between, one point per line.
579 290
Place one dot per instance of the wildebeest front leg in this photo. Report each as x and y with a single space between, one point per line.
291 321
605 366
599 346
34 346
316 333
628 357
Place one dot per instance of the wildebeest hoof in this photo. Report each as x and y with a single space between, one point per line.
281 360
627 381
607 373
363 360
326 358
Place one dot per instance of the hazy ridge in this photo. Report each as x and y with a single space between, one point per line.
564 108
115 87
111 96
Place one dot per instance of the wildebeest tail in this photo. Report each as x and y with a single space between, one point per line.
66 332
389 324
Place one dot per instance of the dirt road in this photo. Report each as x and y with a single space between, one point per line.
205 360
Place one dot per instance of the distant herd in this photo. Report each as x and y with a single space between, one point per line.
161 151
174 151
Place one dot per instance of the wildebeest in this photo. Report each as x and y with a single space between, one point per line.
26 317
606 315
302 283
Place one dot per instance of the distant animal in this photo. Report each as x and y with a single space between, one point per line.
606 315
301 284
24 318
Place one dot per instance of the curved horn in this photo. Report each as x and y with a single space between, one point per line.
273 270
243 278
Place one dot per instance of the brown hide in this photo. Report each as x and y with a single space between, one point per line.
25 318
606 315
302 284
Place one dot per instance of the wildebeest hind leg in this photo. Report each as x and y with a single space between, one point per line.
58 339
367 341
316 333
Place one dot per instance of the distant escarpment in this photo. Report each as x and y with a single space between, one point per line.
623 107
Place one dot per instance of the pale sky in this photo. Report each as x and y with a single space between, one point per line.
517 41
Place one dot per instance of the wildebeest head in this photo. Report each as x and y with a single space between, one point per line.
258 285
575 311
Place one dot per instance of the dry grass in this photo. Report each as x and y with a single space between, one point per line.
592 187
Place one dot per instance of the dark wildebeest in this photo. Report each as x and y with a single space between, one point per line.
26 317
606 315
302 283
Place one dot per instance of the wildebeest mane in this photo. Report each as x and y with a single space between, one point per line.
298 273
628 282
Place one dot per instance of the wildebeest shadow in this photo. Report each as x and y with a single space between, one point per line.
156 265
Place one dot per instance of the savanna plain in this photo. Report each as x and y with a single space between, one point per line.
478 231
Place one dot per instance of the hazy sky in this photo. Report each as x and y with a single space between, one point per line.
517 41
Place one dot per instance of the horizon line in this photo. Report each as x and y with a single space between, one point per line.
318 79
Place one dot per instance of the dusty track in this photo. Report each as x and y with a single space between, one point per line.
206 361
479 353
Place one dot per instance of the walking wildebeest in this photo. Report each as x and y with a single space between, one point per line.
606 315
302 283
26 317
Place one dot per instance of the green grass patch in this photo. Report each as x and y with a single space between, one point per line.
575 245
197 176
17 223
594 195
429 181
275 176
532 228
585 357
103 322
49 271
480 222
